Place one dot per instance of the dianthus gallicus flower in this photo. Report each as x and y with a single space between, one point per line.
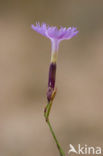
56 36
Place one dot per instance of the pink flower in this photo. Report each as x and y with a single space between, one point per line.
54 34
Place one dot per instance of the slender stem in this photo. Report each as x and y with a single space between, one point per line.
49 105
48 110
57 143
46 114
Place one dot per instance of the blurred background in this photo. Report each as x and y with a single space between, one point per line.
77 112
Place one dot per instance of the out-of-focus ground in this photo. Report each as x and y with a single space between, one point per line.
77 113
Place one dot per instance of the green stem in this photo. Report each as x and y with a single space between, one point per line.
48 109
46 114
57 143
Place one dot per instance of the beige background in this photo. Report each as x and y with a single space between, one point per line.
77 113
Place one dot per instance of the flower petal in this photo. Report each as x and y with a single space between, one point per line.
53 33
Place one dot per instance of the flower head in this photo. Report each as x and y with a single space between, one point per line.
54 34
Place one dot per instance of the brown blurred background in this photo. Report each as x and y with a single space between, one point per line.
77 112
